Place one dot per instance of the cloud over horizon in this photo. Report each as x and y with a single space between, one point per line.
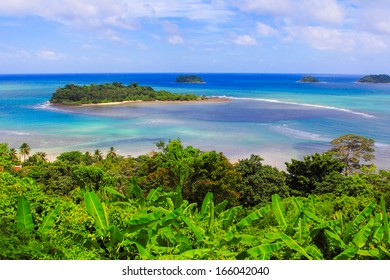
134 28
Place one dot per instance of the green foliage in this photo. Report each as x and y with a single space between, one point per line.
309 79
259 182
180 203
189 79
350 149
304 174
116 92
196 173
375 79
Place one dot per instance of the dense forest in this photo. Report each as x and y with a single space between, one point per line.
375 79
309 79
181 203
116 92
189 79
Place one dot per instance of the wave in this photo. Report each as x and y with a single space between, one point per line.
300 134
382 145
11 132
301 104
48 106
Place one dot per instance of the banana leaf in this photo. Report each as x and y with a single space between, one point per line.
365 213
227 217
353 226
193 254
114 192
206 201
347 254
24 220
255 215
49 221
292 244
220 207
360 239
96 210
312 250
386 237
196 230
279 212
264 249
313 217
302 231
154 194
137 191
335 239
116 237
373 253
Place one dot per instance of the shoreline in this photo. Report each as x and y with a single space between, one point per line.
207 100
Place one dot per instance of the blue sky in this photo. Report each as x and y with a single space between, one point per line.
259 36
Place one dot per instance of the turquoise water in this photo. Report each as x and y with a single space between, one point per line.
269 114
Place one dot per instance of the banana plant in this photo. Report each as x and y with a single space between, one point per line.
24 219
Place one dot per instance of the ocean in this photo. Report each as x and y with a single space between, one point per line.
271 115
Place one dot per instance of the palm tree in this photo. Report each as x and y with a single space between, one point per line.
24 150
41 156
14 155
112 153
98 156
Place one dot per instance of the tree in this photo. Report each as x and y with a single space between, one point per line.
98 156
350 149
24 150
304 174
111 154
259 182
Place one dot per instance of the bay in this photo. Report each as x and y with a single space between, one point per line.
272 115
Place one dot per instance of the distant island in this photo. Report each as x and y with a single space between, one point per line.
375 79
189 79
309 79
116 92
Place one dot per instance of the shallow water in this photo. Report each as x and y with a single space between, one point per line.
271 115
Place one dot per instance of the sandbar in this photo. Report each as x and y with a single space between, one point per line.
211 99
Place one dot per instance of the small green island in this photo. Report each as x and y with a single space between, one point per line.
189 79
308 79
73 94
375 79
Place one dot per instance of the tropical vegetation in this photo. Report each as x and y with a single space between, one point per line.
189 79
183 203
73 94
309 79
382 78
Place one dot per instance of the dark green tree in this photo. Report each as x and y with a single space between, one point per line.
350 149
259 182
24 150
304 174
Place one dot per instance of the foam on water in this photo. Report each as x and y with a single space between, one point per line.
301 104
300 134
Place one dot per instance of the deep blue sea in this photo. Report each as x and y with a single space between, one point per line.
272 115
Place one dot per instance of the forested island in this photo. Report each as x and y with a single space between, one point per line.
309 79
189 79
183 203
116 92
375 79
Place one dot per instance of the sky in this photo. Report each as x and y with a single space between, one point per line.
195 36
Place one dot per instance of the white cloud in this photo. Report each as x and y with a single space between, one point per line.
115 13
274 7
175 40
322 38
49 55
309 11
266 30
245 40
